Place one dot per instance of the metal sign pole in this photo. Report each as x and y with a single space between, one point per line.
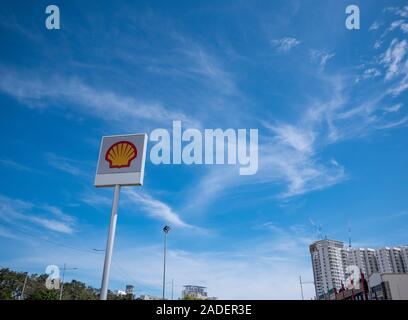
109 245
62 282
121 162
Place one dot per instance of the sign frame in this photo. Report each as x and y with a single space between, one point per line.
134 178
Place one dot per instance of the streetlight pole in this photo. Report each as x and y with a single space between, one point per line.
172 288
63 277
302 283
166 230
62 282
24 286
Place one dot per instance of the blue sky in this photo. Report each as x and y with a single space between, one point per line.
329 104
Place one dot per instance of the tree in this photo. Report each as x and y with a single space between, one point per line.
77 290
11 285
188 297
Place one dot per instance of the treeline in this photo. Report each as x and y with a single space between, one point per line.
12 283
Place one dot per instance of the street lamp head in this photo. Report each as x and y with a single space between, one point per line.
166 229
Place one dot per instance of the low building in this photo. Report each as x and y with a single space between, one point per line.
148 297
194 292
119 293
129 289
358 294
389 286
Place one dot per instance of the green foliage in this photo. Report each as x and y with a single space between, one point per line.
43 294
76 290
11 285
188 297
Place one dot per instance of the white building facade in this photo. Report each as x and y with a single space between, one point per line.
390 260
404 256
330 259
364 258
195 292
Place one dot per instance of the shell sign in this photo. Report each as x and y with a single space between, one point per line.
121 154
121 160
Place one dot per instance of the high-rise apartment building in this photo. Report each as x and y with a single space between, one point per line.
396 260
370 262
390 260
404 256
329 261
364 259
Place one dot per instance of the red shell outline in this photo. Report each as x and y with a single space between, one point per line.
130 160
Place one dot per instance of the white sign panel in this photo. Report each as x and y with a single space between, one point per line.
121 160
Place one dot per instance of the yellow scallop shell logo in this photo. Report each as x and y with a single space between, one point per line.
121 154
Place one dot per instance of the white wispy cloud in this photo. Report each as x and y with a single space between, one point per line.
52 224
299 171
285 44
211 186
394 108
153 207
7 233
290 156
394 124
393 57
395 24
368 74
393 60
16 165
399 11
294 136
64 164
322 56
188 59
11 22
377 44
209 67
95 200
400 87
58 213
156 208
374 26
38 91
16 211
380 110
287 155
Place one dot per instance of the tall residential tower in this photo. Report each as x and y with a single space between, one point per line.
329 260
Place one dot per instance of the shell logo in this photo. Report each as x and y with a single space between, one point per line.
121 154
